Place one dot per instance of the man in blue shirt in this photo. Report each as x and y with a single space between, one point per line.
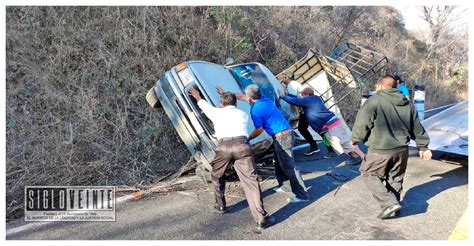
402 87
267 117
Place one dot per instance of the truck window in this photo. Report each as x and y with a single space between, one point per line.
207 122
249 74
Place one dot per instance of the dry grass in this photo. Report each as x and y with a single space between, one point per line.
76 114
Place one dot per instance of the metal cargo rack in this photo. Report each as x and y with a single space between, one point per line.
351 67
364 63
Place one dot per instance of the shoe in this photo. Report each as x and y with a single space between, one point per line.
311 151
329 155
354 161
278 189
296 199
389 211
219 210
284 188
267 222
394 214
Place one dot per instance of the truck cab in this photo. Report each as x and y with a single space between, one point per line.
192 125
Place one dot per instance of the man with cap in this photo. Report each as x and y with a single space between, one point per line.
402 87
294 87
324 122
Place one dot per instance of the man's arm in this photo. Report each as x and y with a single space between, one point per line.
239 96
255 133
257 123
207 108
364 122
294 100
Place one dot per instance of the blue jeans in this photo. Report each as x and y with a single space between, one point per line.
285 168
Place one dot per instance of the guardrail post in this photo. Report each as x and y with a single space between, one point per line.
419 99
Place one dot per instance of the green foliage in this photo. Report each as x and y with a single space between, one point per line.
244 22
148 133
10 124
246 43
459 78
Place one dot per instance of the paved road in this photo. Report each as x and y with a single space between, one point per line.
435 198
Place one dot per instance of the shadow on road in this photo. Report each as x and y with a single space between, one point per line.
337 173
416 199
319 187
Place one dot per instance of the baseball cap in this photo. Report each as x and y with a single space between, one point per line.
398 78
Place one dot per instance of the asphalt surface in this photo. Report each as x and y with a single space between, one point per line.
435 197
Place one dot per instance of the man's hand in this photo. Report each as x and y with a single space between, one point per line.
219 90
425 155
358 151
195 93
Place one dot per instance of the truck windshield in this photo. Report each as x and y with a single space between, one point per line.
248 74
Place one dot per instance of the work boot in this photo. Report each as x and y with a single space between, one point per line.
219 210
389 211
268 221
296 199
311 151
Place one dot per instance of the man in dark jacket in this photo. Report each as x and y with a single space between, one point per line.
386 123
324 122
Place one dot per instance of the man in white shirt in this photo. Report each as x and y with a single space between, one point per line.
230 125
295 88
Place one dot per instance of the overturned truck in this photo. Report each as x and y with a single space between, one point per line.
350 66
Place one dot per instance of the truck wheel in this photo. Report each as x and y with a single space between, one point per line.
152 99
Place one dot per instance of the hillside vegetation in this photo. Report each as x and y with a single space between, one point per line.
76 78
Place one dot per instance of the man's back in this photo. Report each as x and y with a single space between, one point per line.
387 121
265 114
228 121
313 106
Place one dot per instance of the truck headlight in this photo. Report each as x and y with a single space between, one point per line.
186 77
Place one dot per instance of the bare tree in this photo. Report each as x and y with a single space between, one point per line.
438 20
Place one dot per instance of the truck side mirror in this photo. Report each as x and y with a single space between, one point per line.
229 61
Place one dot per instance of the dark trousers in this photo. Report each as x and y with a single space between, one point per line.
285 165
303 129
239 153
383 176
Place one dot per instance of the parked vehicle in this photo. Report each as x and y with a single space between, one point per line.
197 131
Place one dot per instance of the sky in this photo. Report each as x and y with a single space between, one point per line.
411 14
413 21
